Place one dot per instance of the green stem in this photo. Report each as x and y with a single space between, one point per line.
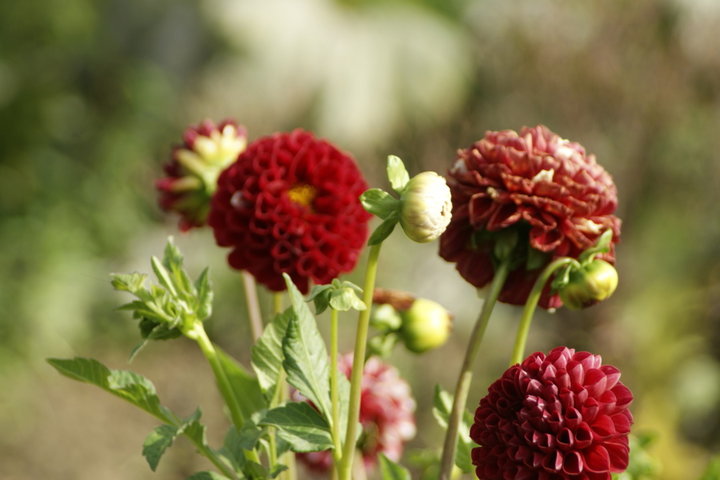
531 304
465 378
198 334
335 411
253 305
283 395
345 469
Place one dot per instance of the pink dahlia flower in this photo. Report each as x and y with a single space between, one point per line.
386 415
563 416
194 167
554 195
290 204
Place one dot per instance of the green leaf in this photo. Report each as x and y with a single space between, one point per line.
442 405
245 386
390 470
301 426
157 442
344 401
127 385
383 230
306 359
397 174
163 437
163 275
207 476
379 203
344 299
204 295
267 353
306 364
128 282
236 442
319 295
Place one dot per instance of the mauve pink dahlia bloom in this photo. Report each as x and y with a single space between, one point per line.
386 415
563 416
557 198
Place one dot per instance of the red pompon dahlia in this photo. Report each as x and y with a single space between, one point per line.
386 415
563 416
194 167
290 204
534 184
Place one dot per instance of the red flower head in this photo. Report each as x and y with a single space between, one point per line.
290 204
194 167
563 416
536 185
386 415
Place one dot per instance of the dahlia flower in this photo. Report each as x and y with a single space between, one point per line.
386 415
543 188
194 167
563 416
289 204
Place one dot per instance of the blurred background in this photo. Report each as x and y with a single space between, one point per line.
94 93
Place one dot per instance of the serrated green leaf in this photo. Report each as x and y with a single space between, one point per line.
236 442
162 438
383 230
442 406
397 173
127 385
128 282
390 470
306 359
207 476
204 295
245 386
301 426
163 275
379 203
267 353
306 364
157 443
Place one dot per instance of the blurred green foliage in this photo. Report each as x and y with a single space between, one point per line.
93 93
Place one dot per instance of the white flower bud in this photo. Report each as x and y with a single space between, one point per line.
426 207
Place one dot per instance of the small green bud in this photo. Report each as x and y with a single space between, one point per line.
425 325
588 285
384 317
425 207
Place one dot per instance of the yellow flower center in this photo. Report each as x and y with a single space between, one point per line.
302 194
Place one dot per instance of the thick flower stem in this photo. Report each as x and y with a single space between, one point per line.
199 335
465 379
253 305
345 468
531 304
335 403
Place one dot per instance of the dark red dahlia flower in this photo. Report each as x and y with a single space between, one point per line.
194 167
556 198
563 416
290 204
386 415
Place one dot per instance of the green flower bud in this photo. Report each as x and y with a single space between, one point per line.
426 325
590 284
426 207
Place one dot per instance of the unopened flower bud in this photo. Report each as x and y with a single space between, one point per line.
426 325
589 285
426 207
